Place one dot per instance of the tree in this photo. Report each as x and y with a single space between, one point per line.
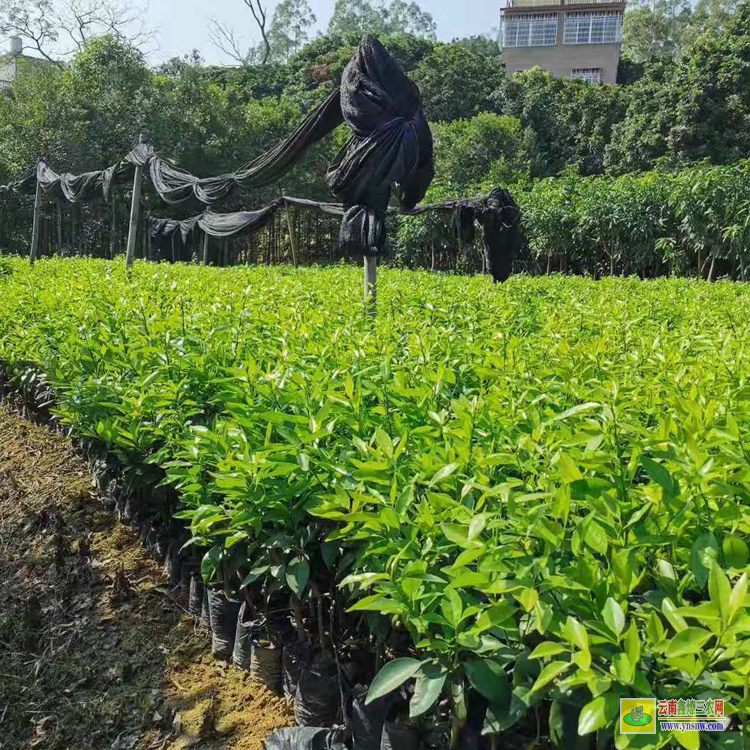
655 29
570 122
362 17
458 82
661 29
695 108
226 39
59 28
408 17
289 32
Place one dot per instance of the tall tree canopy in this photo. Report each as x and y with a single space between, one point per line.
290 28
399 16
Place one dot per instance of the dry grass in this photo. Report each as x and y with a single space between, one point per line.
95 651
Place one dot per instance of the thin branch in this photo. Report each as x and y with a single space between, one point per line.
260 19
224 38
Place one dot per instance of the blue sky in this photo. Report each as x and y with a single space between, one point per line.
183 24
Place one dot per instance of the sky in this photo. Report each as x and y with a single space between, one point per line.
182 25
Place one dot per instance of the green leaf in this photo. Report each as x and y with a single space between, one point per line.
255 574
488 678
569 472
676 620
552 670
477 525
737 598
297 575
576 633
443 473
452 608
689 740
377 603
598 713
577 410
614 616
596 538
210 564
430 682
547 649
736 553
633 643
659 473
624 668
527 598
495 616
394 674
689 641
719 590
705 547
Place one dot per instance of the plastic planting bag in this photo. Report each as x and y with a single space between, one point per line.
368 721
317 702
295 658
205 611
224 614
399 737
255 650
195 603
248 631
305 738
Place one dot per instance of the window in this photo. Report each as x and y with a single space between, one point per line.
593 27
592 75
530 30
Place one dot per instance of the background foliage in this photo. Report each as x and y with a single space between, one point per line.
684 104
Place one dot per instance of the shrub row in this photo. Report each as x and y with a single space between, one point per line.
694 222
533 499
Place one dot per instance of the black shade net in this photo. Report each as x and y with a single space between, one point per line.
497 213
391 144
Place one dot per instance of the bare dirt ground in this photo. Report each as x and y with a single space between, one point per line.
95 650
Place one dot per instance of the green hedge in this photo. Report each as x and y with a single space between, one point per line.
537 492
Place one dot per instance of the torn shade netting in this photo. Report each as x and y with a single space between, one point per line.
391 145
497 213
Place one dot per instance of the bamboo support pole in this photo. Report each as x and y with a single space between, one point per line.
113 230
371 283
135 208
35 230
292 235
205 248
59 227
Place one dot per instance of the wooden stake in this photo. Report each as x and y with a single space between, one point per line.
135 208
371 283
292 235
205 248
113 230
35 229
59 227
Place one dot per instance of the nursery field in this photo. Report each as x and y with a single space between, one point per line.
507 506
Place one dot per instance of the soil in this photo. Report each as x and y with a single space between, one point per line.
95 650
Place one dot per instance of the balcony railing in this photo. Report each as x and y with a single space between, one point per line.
549 3
532 3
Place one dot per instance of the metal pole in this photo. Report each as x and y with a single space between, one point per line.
35 230
371 283
113 230
135 208
205 248
292 235
59 227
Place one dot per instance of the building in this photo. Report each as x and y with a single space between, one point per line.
568 38
12 61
